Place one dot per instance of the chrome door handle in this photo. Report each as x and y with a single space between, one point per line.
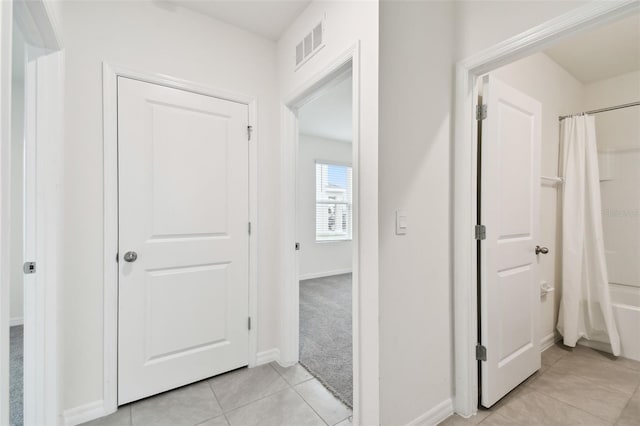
130 256
542 250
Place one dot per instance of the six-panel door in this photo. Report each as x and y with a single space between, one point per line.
183 211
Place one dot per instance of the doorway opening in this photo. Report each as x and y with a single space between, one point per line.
529 201
324 212
16 313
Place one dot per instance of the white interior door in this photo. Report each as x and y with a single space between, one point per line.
510 210
183 209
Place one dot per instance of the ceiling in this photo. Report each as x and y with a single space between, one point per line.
267 18
601 53
329 116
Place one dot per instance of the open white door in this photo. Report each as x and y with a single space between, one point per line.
510 210
183 238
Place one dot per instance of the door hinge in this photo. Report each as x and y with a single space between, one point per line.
117 257
481 352
481 112
249 131
249 228
297 246
481 232
29 267
249 323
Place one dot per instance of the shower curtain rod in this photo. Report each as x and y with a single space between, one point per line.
595 111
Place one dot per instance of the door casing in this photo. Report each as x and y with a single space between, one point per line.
345 63
43 369
465 172
110 73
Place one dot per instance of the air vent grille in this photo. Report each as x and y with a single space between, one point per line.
299 53
311 43
308 45
317 36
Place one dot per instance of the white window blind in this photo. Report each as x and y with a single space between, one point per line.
333 202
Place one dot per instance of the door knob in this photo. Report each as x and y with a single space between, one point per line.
130 256
542 250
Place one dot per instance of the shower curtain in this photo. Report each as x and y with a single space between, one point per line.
585 308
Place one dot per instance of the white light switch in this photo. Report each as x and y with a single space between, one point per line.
401 222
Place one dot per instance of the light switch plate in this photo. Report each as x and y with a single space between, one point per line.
401 222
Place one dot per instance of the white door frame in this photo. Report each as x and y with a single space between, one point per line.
465 274
6 18
110 73
44 117
347 62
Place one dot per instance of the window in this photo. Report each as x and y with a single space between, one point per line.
333 202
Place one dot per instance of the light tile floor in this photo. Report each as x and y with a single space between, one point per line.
269 395
577 386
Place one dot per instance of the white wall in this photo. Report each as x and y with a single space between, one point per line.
416 51
346 24
616 130
147 37
541 78
618 134
318 258
17 179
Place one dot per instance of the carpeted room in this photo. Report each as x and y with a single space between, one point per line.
324 211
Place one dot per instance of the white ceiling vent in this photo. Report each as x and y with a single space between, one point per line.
310 45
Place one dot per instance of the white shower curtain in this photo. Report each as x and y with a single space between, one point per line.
585 309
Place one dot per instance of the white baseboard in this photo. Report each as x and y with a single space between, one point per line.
84 413
548 341
434 416
16 321
265 357
324 274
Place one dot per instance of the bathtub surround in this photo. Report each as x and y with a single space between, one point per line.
618 134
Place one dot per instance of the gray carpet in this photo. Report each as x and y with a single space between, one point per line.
16 361
326 333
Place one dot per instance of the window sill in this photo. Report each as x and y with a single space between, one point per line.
341 240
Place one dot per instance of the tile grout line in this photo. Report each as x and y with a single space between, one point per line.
256 400
614 361
490 415
590 380
570 405
302 397
226 418
249 403
309 405
312 377
215 397
627 404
